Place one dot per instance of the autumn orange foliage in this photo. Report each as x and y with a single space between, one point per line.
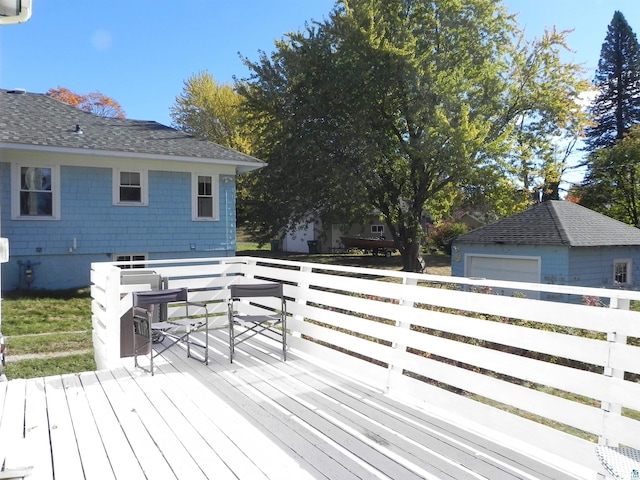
94 102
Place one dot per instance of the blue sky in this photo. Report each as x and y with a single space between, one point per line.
140 52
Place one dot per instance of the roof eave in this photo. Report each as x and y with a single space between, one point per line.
241 166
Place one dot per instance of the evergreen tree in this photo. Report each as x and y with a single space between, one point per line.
617 104
608 186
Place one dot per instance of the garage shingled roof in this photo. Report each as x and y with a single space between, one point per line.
33 120
555 223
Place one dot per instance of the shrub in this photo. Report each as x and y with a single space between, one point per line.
444 231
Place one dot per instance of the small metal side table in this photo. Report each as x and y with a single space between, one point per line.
621 462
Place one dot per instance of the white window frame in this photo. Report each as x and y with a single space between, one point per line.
214 197
377 229
16 169
628 263
129 257
144 181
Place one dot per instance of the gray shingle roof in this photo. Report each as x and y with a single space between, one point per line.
37 120
557 223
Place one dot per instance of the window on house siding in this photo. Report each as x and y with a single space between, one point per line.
131 257
622 272
377 229
35 192
129 187
205 194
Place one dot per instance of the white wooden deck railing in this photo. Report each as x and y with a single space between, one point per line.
555 376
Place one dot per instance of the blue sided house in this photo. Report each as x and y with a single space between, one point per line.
554 242
77 188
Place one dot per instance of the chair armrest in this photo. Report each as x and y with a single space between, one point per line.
140 312
197 304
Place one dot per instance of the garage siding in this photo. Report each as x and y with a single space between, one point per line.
593 267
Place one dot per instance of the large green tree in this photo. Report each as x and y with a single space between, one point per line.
388 102
617 169
211 110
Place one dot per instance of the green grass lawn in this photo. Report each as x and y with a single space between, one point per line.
49 326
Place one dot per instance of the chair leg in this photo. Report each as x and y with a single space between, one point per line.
284 341
206 343
231 341
136 364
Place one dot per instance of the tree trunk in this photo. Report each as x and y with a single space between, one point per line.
411 259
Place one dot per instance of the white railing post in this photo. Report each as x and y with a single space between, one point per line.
112 321
612 409
249 267
105 315
302 287
394 370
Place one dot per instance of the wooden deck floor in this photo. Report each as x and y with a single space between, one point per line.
259 418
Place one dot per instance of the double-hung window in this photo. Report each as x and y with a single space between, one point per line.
35 192
129 187
622 271
205 195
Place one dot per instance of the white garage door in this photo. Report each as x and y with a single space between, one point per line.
510 268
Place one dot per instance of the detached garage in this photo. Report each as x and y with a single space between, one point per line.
555 242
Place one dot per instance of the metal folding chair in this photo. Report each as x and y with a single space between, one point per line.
150 327
250 314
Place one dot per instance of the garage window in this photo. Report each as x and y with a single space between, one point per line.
622 271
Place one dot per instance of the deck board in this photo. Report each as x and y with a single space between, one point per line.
93 455
250 425
319 415
122 458
67 460
201 436
36 429
12 442
258 418
277 423
369 416
131 414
